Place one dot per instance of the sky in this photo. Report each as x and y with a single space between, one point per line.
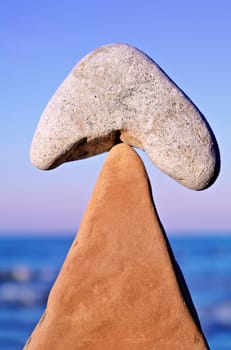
41 41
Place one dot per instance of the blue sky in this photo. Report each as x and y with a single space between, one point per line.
40 43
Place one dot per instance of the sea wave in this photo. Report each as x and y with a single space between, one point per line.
221 314
23 273
14 295
24 286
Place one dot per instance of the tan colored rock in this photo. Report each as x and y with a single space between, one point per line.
117 93
118 288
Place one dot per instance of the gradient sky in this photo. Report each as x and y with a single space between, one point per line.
42 40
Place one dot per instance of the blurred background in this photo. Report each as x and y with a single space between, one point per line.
40 211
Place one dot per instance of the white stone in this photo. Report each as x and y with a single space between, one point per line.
117 93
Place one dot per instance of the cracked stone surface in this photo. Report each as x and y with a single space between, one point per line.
118 94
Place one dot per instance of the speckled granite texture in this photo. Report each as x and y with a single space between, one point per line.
117 93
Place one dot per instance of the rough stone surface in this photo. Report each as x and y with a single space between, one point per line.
119 287
117 93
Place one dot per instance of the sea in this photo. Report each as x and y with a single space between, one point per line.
29 265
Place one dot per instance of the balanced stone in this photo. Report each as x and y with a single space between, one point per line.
120 286
117 93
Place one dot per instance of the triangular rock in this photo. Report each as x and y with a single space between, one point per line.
119 287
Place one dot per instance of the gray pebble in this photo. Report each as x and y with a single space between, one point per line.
117 93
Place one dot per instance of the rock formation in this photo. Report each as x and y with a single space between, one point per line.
120 287
117 93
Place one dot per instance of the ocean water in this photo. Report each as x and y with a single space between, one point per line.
29 266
